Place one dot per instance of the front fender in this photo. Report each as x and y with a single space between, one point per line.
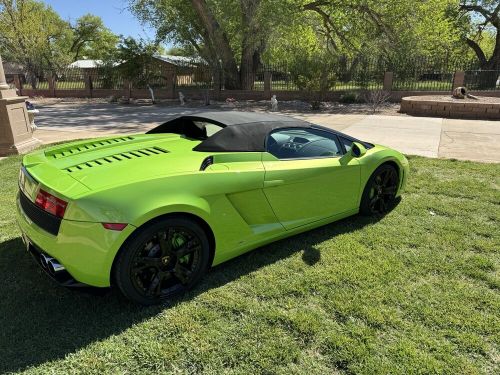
378 156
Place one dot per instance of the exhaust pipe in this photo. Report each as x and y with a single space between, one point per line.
44 260
54 267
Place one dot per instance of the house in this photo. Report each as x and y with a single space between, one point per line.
11 70
188 70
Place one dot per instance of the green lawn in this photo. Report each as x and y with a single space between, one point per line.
416 292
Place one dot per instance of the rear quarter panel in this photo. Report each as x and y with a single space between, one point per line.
215 196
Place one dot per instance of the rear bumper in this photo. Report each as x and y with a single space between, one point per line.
62 277
86 250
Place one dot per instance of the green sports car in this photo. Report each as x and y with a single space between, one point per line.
150 213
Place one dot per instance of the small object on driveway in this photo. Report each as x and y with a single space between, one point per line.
32 111
274 103
462 93
459 93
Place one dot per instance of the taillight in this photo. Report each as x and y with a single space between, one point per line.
50 203
114 226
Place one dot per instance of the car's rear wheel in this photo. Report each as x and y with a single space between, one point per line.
163 259
380 191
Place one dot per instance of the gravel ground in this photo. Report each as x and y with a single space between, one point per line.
450 99
388 109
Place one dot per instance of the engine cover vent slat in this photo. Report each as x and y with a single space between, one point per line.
116 158
83 147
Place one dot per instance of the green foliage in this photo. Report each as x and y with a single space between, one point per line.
312 72
92 40
280 31
134 60
33 34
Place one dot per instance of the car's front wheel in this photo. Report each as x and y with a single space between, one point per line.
163 259
380 191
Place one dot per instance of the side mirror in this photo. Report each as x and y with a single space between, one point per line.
357 150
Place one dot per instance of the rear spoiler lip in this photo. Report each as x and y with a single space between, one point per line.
55 181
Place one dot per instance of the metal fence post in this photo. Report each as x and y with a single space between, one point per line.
458 79
88 85
52 85
217 84
127 88
170 76
388 80
18 83
267 83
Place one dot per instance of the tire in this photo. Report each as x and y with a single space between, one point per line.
379 194
164 259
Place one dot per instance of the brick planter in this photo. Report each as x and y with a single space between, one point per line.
486 108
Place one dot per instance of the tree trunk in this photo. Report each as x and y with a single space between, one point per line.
32 76
487 77
219 41
250 57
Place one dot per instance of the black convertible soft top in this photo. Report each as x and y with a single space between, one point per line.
241 131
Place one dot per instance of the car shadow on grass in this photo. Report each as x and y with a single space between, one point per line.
41 321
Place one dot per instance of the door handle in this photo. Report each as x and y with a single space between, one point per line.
271 183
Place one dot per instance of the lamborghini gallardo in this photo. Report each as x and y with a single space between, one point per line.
151 213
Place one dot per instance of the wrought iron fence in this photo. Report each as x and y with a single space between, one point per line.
71 79
194 76
106 79
424 74
340 75
482 80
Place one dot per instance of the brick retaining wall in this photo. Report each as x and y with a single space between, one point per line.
436 108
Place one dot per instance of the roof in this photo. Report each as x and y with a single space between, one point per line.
179 60
242 131
230 118
86 64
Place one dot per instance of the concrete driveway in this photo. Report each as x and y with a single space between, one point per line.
431 137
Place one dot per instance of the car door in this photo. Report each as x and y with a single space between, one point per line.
306 176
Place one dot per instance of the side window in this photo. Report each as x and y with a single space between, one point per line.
347 143
300 143
208 128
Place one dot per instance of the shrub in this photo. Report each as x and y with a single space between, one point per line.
313 74
376 98
349 98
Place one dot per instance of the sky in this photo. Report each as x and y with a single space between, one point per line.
112 12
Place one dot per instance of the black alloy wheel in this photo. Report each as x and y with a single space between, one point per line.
380 191
163 260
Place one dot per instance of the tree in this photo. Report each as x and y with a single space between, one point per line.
180 51
486 19
394 30
230 35
134 59
313 74
33 34
91 39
